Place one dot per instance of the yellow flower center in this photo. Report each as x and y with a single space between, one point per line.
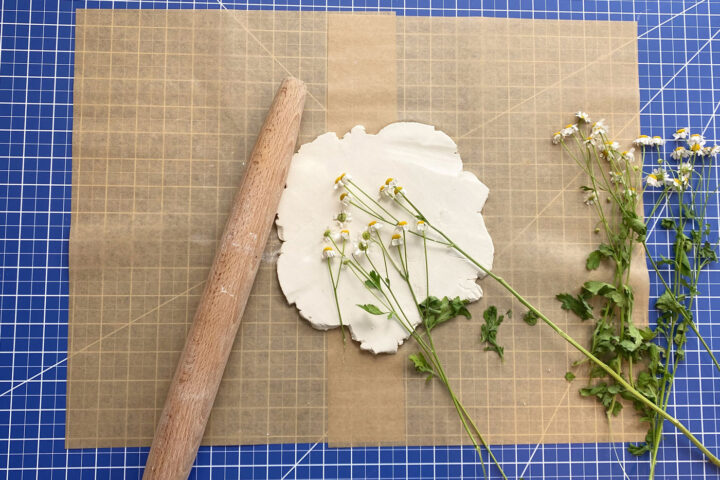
656 136
327 249
390 179
569 125
420 222
372 223
402 223
347 232
653 176
643 136
339 178
682 130
342 197
398 189
557 134
695 147
396 236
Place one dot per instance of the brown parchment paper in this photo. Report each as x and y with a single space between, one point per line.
167 106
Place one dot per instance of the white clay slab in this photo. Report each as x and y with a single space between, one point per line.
425 162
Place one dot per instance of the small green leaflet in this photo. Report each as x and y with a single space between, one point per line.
531 318
577 305
603 289
668 224
421 364
708 252
488 332
372 309
635 223
667 303
682 262
439 311
374 281
569 376
596 256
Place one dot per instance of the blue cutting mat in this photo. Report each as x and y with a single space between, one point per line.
679 66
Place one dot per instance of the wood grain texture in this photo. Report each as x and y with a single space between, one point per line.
211 336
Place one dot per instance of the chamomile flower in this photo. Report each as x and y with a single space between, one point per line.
679 184
345 234
343 218
362 244
342 180
328 253
685 169
696 149
421 226
681 133
387 191
654 180
582 116
569 129
657 178
402 226
609 145
390 182
345 199
398 191
374 226
679 153
396 240
642 141
590 198
590 141
557 137
711 151
657 141
628 155
360 249
617 177
696 139
599 128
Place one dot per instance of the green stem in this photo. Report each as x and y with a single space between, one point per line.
714 460
337 302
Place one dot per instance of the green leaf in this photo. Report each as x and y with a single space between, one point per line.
632 340
437 311
375 278
593 260
668 303
531 318
577 305
668 224
682 262
488 332
708 252
638 449
689 212
598 288
421 364
635 223
569 376
371 309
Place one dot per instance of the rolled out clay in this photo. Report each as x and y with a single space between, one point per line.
425 162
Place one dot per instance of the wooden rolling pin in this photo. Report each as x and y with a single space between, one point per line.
202 363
